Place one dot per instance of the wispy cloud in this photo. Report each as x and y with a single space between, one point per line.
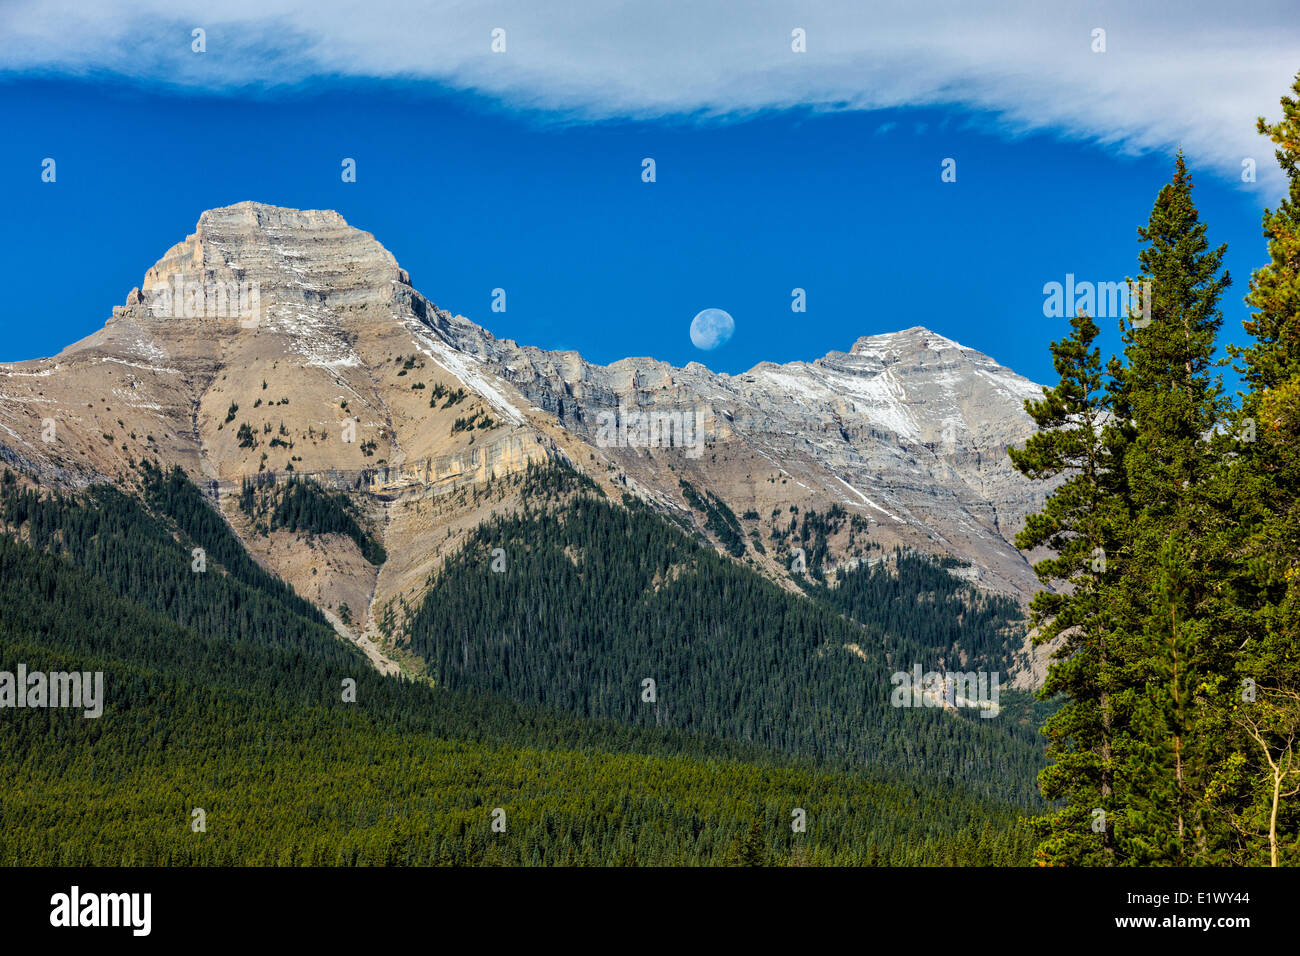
1194 73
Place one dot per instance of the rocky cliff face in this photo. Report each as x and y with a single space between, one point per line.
278 340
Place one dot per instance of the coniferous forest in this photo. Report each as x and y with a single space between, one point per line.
224 696
594 600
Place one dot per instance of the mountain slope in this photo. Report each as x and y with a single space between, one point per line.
222 694
579 604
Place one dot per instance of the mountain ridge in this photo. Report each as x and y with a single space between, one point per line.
905 434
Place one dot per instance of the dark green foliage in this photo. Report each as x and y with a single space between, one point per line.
1173 694
302 506
223 692
553 484
918 611
1255 556
453 396
472 422
1169 557
814 535
1082 524
718 518
598 598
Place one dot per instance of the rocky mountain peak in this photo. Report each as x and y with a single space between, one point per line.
293 258
251 216
918 336
919 346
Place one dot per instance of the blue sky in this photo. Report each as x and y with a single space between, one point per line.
473 187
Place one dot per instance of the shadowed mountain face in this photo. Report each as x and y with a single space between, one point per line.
275 340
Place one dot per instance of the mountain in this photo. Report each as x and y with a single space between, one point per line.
537 602
276 341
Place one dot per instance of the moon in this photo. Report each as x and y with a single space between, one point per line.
711 328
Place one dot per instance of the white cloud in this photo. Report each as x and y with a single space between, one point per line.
1195 73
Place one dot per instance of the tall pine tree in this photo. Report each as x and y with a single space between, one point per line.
1076 444
1175 659
1260 551
1143 672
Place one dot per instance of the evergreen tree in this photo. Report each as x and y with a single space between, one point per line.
1143 669
1259 554
1079 444
1176 660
